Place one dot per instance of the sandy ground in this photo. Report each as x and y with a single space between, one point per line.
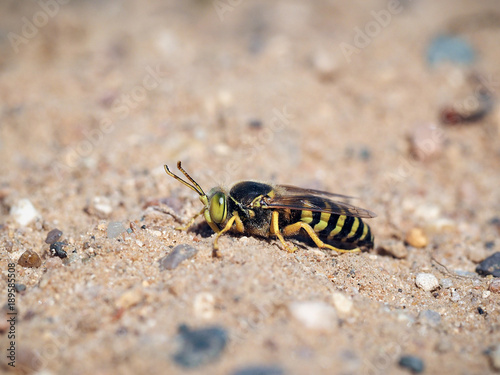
97 96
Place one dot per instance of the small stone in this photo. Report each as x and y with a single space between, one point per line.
416 238
426 141
114 229
395 248
455 296
494 354
53 236
23 212
259 370
20 288
56 250
490 266
325 64
314 315
450 48
427 281
204 305
100 207
129 299
430 317
495 285
342 304
200 346
73 257
30 259
446 283
178 254
412 363
475 253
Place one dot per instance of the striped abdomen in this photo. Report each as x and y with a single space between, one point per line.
338 228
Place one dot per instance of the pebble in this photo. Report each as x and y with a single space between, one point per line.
395 248
200 346
343 304
426 142
178 254
455 296
114 229
129 299
259 370
475 253
20 287
446 283
56 250
101 206
416 238
494 354
30 259
427 281
495 285
204 305
430 317
314 315
325 64
490 266
53 236
450 48
23 212
412 363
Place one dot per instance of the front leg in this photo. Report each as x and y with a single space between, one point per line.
235 219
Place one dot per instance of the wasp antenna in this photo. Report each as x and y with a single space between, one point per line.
193 186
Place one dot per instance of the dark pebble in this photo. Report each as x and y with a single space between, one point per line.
481 311
260 370
489 245
56 250
30 259
179 254
53 236
20 288
490 266
200 346
412 363
255 123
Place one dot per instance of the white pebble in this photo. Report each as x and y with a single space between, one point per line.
23 212
342 304
455 296
314 315
204 305
427 281
446 283
103 205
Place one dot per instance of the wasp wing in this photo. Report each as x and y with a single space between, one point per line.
295 190
316 203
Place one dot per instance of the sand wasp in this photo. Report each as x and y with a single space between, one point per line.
261 209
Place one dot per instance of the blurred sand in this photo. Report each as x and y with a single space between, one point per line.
102 94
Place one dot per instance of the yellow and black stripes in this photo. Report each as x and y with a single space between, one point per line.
338 228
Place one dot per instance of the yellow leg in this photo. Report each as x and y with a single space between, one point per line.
239 227
275 229
292 229
185 227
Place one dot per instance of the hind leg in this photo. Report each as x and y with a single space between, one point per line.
292 229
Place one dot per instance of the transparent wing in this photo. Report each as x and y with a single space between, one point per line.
316 202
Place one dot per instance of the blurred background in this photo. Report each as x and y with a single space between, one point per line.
393 102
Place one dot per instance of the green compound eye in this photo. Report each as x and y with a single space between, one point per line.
218 208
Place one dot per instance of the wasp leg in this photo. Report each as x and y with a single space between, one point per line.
292 229
235 219
185 227
275 229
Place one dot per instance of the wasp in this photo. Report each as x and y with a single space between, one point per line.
265 210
